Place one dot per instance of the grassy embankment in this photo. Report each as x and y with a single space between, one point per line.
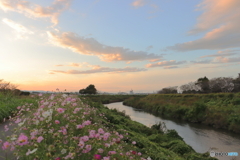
105 99
9 103
217 110
61 127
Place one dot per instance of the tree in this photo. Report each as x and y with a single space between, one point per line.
89 90
236 83
204 84
191 87
82 91
7 87
168 90
221 84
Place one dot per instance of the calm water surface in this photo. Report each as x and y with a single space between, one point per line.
200 137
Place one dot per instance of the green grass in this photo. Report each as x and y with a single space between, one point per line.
105 99
9 103
220 110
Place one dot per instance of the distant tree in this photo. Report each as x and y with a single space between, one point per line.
7 87
82 91
16 92
204 84
221 84
191 87
236 83
89 90
168 90
24 93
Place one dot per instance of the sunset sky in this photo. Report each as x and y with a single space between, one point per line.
117 45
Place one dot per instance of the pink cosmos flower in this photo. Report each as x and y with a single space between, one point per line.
112 152
97 156
81 144
133 142
6 128
22 140
40 139
101 131
84 138
60 110
87 123
18 120
79 126
57 122
88 147
97 135
107 145
6 145
73 100
106 158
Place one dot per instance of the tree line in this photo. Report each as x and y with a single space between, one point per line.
205 85
9 88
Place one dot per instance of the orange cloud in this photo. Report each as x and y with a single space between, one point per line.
37 11
99 69
222 53
139 3
90 46
220 19
165 63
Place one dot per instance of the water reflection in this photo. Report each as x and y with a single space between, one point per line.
200 137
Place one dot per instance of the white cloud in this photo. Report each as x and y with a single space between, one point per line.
202 62
221 20
34 10
90 46
21 31
170 67
17 27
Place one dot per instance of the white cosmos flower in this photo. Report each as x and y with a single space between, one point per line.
64 95
31 152
20 124
37 122
63 151
47 113
49 119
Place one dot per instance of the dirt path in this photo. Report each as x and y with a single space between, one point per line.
3 137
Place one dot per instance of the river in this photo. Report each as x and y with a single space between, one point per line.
202 138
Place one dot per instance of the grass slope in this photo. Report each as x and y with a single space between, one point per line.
217 110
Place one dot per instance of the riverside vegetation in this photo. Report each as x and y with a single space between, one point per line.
220 110
105 99
57 126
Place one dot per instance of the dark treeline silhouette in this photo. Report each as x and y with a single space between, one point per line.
8 88
204 85
89 90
